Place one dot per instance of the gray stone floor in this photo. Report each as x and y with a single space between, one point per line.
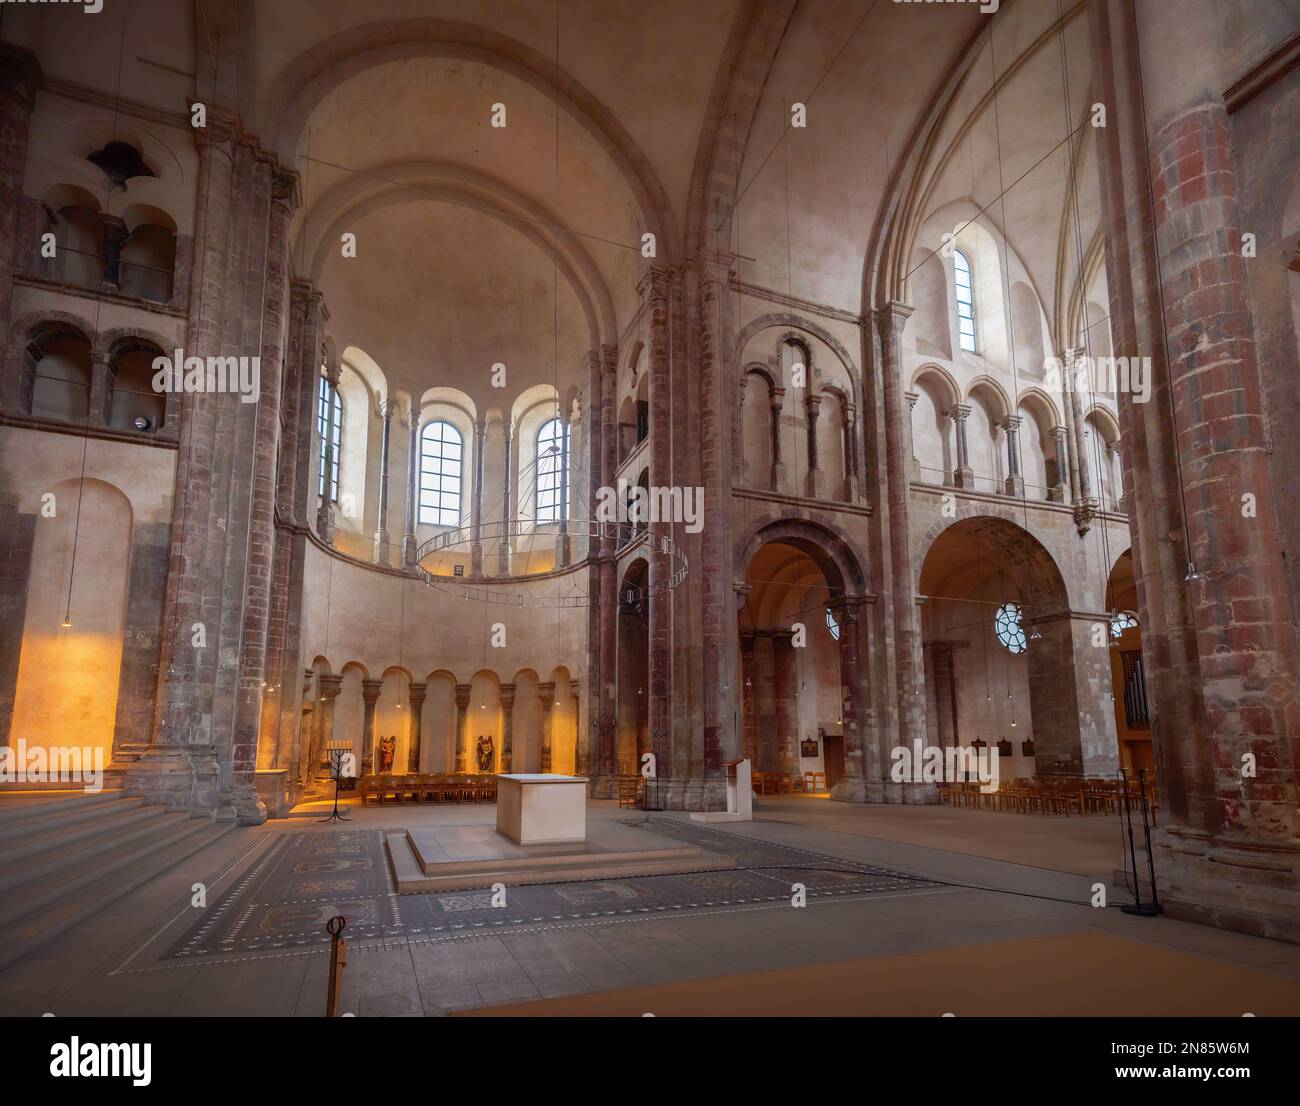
117 963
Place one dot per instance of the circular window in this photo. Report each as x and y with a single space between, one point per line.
1006 624
832 625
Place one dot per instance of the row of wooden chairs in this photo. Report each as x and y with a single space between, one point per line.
787 783
1049 796
428 787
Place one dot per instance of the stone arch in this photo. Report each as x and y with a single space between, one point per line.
828 546
304 82
793 324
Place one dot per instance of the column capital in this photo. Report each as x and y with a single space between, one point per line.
285 190
893 314
546 692
1011 422
960 413
417 690
653 284
1057 433
462 695
329 685
507 694
910 397
371 690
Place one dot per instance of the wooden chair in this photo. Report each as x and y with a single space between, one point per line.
629 791
757 783
386 787
367 787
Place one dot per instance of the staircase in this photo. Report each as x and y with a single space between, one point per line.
65 858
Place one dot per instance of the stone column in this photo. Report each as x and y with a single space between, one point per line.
787 723
852 702
777 402
101 390
890 322
1113 458
765 701
417 693
851 452
476 519
328 687
409 543
507 727
963 476
546 692
1060 491
20 79
370 692
505 550
325 513
1086 504
944 677
815 484
1069 697
579 766
1015 482
115 236
913 465
385 441
462 735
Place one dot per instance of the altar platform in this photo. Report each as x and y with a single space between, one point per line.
463 857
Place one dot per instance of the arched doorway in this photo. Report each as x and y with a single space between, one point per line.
802 691
1008 663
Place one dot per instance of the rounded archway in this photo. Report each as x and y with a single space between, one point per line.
1008 663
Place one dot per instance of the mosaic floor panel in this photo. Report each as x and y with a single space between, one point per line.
304 879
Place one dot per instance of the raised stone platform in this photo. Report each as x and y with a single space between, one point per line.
457 858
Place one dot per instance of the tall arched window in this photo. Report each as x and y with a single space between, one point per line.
329 422
552 471
965 302
442 463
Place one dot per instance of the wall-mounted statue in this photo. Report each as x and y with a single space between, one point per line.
487 752
387 749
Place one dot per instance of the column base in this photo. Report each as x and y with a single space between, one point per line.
382 549
1014 486
815 484
176 777
778 477
1242 885
1058 494
963 477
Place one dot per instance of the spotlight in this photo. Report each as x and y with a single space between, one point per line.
1192 575
1034 635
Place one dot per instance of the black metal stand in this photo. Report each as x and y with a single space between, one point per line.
1139 908
336 762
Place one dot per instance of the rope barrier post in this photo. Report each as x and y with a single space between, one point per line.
338 961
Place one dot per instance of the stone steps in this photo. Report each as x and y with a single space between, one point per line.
62 862
24 808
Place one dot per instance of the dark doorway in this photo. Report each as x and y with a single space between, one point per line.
833 757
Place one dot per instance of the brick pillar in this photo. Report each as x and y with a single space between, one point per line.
604 708
409 544
852 699
385 441
20 78
765 702
546 692
748 700
508 727
462 730
787 719
416 692
476 517
943 676
655 290
963 475
719 693
890 321
370 692
777 404
1220 651
1060 491
507 507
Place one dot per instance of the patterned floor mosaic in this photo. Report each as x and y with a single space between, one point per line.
304 879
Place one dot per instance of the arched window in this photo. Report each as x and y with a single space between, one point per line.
832 625
1006 624
965 302
1122 621
552 471
442 463
329 422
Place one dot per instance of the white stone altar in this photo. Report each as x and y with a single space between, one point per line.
542 809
